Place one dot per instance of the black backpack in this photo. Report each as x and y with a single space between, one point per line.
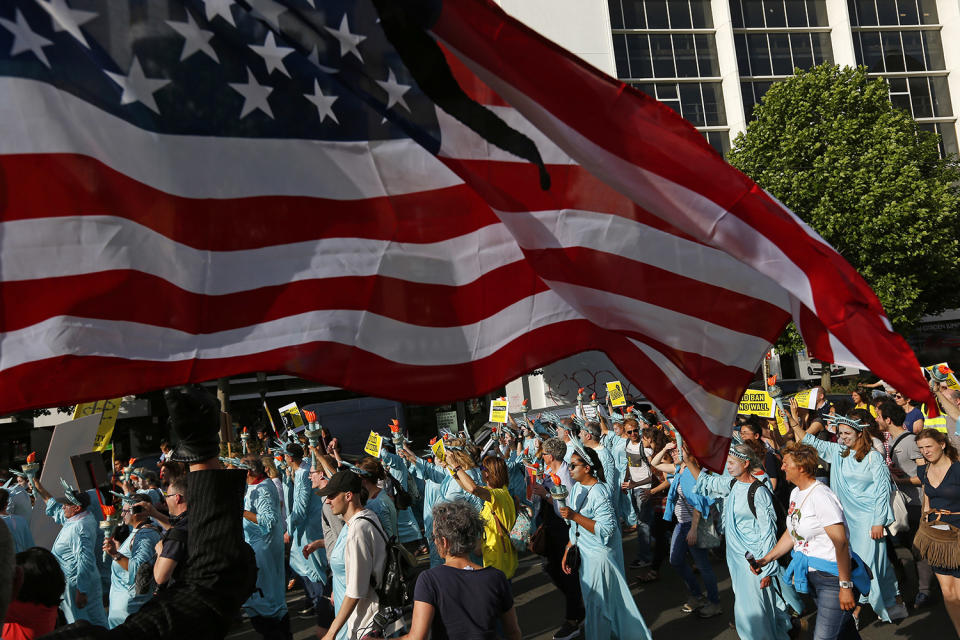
778 509
392 592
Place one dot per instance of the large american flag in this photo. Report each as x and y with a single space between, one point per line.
195 189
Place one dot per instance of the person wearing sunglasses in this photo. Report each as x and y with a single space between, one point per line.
136 550
913 422
595 552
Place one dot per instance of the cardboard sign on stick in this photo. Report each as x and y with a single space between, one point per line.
757 403
615 393
374 444
498 411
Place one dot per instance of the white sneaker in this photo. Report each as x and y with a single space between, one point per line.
709 610
695 604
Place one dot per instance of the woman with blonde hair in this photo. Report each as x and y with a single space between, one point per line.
498 514
938 538
860 478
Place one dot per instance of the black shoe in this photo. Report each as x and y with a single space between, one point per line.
567 631
195 418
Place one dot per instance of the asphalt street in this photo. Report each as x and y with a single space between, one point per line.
539 608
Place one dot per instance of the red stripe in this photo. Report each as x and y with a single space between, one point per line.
134 296
85 186
71 379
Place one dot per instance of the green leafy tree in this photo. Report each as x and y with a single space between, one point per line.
829 145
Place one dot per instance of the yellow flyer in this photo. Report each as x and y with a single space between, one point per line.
438 451
781 423
807 399
110 410
374 444
498 411
615 393
291 416
757 403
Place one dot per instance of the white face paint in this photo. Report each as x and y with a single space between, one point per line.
735 466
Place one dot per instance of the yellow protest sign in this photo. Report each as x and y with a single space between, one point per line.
110 409
807 399
781 423
757 403
291 416
498 411
951 377
615 393
438 451
374 444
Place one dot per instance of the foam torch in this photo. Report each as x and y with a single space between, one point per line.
313 431
941 373
523 409
558 492
109 523
775 392
31 467
244 439
395 434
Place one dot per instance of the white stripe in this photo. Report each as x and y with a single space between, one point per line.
716 413
842 355
39 118
391 339
642 243
55 247
680 331
686 209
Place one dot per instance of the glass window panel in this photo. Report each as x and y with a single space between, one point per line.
887 12
948 139
743 60
866 13
620 55
928 12
736 14
821 48
662 54
657 14
920 98
638 56
679 14
633 17
941 97
691 104
901 101
702 14
872 51
616 14
802 53
719 140
773 10
707 55
907 10
667 91
648 88
713 104
780 54
892 50
796 13
673 104
934 50
746 89
817 13
759 54
913 50
753 13
857 47
685 55
897 85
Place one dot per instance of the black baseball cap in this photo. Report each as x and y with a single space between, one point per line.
343 480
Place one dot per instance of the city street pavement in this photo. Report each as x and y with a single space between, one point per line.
540 607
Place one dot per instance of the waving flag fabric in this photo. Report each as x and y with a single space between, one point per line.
192 190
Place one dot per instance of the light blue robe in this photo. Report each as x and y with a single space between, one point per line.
759 614
265 537
622 500
74 550
863 489
408 529
139 547
610 474
441 487
385 511
19 503
305 524
611 610
517 475
20 531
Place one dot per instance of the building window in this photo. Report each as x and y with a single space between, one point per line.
868 13
898 51
719 140
665 55
660 14
778 54
776 14
699 102
947 133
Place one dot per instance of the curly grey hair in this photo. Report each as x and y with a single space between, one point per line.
555 447
460 524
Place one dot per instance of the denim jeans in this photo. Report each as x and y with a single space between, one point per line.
644 512
833 623
678 558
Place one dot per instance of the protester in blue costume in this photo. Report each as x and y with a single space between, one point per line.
20 503
818 540
263 531
611 438
304 525
446 489
860 478
408 529
372 475
595 534
689 508
75 551
760 608
137 549
590 437
19 526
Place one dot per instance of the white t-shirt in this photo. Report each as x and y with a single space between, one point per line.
639 469
365 553
810 511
